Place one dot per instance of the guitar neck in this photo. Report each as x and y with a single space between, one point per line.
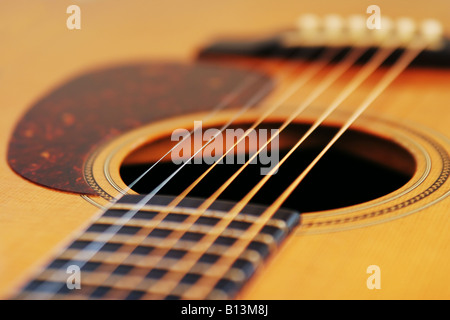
130 251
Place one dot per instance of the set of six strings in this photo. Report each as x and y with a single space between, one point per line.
208 280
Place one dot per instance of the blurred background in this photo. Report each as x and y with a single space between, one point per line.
35 31
38 51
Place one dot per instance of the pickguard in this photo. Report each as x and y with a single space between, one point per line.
53 140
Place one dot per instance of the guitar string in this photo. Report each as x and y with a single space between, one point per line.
307 75
374 95
221 267
192 256
176 235
94 248
131 185
223 104
189 267
354 56
226 101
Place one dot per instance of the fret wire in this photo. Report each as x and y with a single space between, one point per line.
187 211
145 261
105 256
102 256
172 226
138 280
182 245
157 256
108 268
159 208
200 229
162 248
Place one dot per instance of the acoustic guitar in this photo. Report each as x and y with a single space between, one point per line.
333 185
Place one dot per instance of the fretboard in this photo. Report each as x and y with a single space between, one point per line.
134 254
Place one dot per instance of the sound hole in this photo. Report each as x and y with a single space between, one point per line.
359 168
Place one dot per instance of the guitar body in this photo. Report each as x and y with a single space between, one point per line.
329 255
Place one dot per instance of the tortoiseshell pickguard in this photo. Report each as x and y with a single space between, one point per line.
55 137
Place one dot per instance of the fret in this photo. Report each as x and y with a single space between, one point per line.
147 260
136 222
141 259
148 212
130 239
137 277
260 243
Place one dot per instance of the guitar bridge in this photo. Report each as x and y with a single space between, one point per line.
313 34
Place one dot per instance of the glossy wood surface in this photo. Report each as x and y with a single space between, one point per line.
39 52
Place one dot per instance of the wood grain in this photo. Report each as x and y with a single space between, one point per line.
39 53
